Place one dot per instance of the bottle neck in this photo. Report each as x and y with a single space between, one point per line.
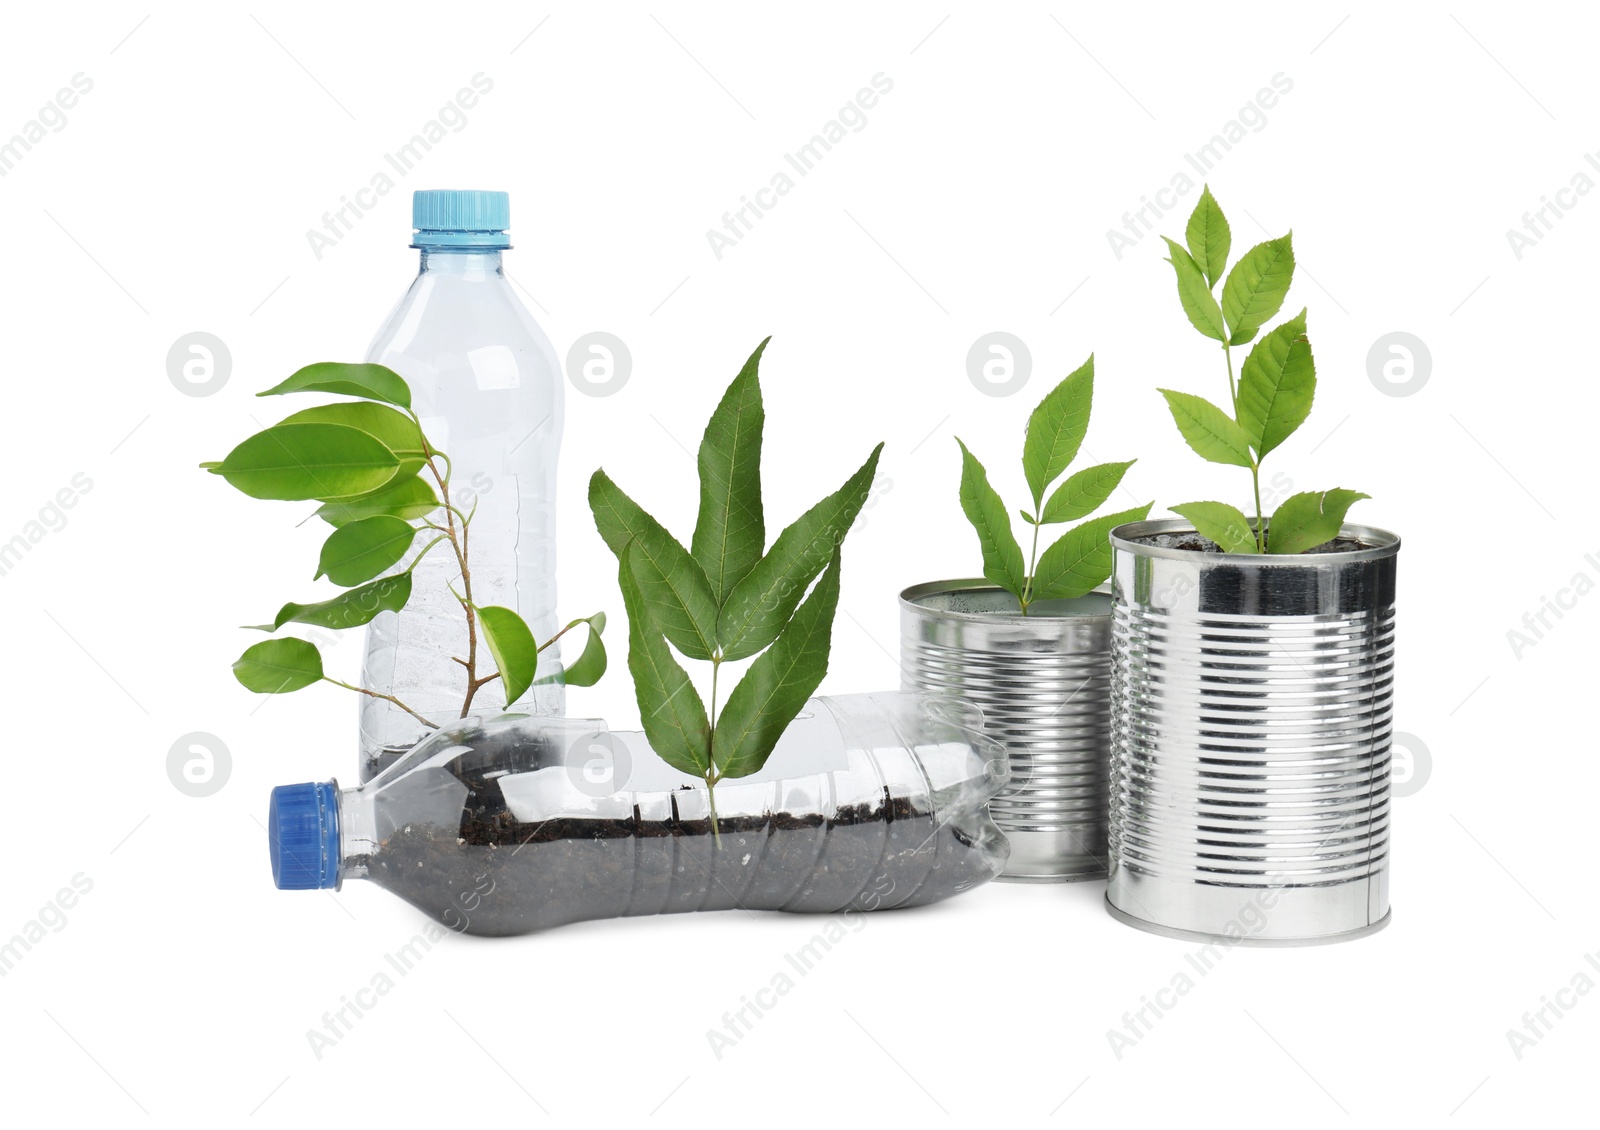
462 263
358 831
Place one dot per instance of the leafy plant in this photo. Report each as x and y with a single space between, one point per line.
1079 560
368 463
728 597
1272 396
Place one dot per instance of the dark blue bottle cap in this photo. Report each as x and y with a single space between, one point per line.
303 836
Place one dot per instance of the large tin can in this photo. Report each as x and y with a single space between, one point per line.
1042 683
1252 701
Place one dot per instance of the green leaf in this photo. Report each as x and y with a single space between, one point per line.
404 498
1208 430
585 671
298 462
1256 286
1276 385
515 651
1208 236
730 533
1198 301
671 581
370 382
1226 525
761 604
278 666
1056 429
360 550
1309 519
778 683
349 609
395 430
980 502
1028 518
670 709
1080 560
1084 492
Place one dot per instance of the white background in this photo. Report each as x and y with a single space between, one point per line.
977 198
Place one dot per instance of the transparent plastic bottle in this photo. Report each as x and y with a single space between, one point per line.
516 824
487 387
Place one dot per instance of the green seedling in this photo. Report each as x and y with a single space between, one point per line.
1078 561
728 597
1272 396
380 483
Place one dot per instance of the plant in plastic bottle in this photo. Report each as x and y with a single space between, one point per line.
380 483
728 597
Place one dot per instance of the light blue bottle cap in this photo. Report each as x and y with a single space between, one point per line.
303 836
460 217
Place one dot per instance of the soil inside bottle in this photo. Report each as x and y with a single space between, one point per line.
378 762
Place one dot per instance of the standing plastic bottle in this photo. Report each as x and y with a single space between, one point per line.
487 387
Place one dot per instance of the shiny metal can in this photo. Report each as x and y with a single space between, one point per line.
1252 706
1042 682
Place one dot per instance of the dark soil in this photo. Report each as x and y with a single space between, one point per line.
492 874
1198 544
378 762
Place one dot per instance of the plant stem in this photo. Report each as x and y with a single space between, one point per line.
1261 533
415 560
458 542
1255 464
561 633
1033 558
472 623
385 697
711 770
711 794
1233 394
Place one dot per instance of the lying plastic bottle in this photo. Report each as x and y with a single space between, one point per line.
516 823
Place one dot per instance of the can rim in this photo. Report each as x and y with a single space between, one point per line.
1296 941
912 597
1388 545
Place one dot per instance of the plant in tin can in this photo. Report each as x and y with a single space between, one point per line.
380 482
1079 560
728 597
1271 397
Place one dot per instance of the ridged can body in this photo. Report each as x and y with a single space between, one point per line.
1252 706
1042 682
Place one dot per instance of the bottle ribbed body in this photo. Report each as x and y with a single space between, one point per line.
486 385
511 825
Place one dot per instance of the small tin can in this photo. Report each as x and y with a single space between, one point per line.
1042 682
